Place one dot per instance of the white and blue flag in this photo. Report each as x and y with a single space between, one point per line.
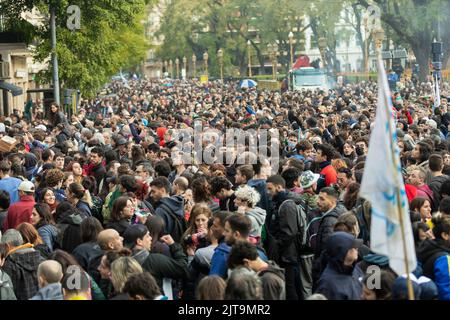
383 186
437 94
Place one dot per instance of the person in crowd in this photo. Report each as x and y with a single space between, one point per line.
78 197
21 211
243 284
49 276
142 286
246 202
47 196
89 248
123 211
6 286
4 205
8 183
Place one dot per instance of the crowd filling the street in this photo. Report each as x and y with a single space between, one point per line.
181 190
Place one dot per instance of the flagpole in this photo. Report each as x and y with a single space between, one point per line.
378 36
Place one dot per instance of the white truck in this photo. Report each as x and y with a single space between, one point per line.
309 78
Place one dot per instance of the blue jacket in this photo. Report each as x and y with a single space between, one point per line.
11 186
219 261
49 235
52 291
176 205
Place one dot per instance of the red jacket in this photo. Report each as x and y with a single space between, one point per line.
19 212
330 175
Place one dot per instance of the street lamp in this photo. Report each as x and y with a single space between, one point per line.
322 43
378 36
273 50
171 68
205 60
165 65
249 48
291 42
194 60
177 65
220 58
185 65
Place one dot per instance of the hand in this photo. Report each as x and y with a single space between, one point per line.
167 239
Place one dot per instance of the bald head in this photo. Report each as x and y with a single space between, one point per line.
49 271
110 240
181 184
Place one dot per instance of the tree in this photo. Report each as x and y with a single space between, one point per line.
111 38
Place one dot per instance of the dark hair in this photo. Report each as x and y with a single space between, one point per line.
277 180
5 166
161 182
441 224
42 193
417 203
241 223
246 171
330 192
64 258
162 168
347 171
29 233
436 162
129 183
241 250
444 205
219 183
4 248
99 151
77 190
327 151
424 151
90 228
384 292
155 226
84 281
351 195
118 206
53 177
89 183
44 212
290 175
211 288
201 190
5 200
416 227
143 284
46 154
222 216
304 145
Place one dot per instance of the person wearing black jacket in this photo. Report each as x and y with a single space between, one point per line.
122 212
283 227
97 170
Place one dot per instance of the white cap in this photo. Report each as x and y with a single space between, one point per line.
41 127
26 186
432 124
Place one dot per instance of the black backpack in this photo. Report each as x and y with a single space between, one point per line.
179 226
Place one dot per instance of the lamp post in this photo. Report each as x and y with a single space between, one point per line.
378 36
165 66
205 60
322 43
171 68
249 48
220 58
291 42
273 50
185 65
194 60
177 66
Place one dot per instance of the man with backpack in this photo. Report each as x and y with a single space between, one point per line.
170 209
284 226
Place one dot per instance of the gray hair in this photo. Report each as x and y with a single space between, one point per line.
248 194
12 237
243 284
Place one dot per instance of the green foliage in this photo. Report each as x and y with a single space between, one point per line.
111 38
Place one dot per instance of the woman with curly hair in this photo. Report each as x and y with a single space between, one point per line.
201 191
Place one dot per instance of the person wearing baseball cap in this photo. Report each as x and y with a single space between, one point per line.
21 211
340 279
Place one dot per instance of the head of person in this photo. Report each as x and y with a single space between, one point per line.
77 170
420 232
308 180
75 192
305 148
49 272
5 200
110 240
41 215
348 149
243 174
198 220
421 152
211 288
342 250
325 152
159 188
275 184
142 286
221 187
162 168
59 161
5 168
243 284
361 146
180 185
82 291
121 269
347 222
327 199
381 292
344 178
292 177
29 233
128 183
12 238
246 196
68 179
218 227
26 188
417 177
293 163
237 227
54 108
96 156
421 206
201 190
47 196
441 228
436 163
90 228
144 171
137 237
123 208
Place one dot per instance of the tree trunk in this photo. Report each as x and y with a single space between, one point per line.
422 54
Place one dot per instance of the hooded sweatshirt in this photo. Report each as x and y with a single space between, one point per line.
257 216
273 282
340 282
167 208
52 291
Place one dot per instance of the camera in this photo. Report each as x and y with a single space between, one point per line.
194 239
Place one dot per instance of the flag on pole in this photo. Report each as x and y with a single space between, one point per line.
437 94
382 185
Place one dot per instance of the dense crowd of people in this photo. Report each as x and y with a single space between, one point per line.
116 195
